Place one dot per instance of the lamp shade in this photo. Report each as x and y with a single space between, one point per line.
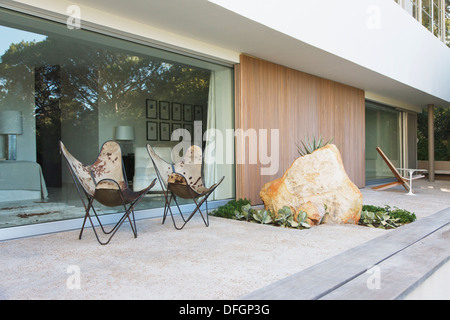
124 133
10 122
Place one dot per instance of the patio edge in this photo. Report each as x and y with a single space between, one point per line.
401 259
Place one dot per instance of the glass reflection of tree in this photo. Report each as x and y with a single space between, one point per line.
89 74
73 79
47 84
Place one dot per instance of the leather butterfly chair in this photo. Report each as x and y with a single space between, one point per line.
105 182
183 179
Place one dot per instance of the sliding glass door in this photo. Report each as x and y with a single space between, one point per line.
383 129
85 88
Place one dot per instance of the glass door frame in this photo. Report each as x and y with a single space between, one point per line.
403 142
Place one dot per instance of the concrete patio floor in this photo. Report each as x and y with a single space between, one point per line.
228 260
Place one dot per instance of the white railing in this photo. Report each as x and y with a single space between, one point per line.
432 14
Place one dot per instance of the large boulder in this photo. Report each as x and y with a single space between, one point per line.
312 182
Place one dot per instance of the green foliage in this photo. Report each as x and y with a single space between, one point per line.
368 207
233 209
244 213
326 214
371 216
308 146
93 72
403 216
378 219
242 210
385 217
301 220
262 216
284 217
441 134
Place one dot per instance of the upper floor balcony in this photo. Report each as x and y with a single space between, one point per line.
432 14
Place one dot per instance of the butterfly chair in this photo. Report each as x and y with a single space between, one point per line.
105 182
183 179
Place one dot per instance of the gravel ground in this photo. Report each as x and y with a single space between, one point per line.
227 260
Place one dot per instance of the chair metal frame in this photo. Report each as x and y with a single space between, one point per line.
172 190
119 194
401 181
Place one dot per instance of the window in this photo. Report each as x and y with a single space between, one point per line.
447 22
382 130
83 88
432 14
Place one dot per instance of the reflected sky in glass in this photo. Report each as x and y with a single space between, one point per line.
10 35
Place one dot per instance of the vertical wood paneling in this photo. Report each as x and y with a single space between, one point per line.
270 96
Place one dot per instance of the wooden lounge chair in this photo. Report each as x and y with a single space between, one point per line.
401 181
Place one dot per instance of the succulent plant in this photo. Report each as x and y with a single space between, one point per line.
243 213
385 218
262 216
372 216
378 219
284 217
302 220
325 215
311 145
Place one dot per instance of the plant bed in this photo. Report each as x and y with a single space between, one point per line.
242 210
385 217
371 216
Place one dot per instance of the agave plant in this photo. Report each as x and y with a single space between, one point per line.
311 145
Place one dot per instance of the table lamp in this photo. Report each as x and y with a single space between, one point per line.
125 133
11 125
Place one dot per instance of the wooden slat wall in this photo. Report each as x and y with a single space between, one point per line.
270 96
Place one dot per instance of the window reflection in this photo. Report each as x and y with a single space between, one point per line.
382 130
80 92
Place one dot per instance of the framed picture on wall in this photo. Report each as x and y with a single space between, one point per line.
187 112
176 111
175 126
198 113
189 127
151 112
152 131
164 131
164 110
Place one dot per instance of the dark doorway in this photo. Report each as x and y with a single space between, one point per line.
48 122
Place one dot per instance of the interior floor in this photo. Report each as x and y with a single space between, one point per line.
62 204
